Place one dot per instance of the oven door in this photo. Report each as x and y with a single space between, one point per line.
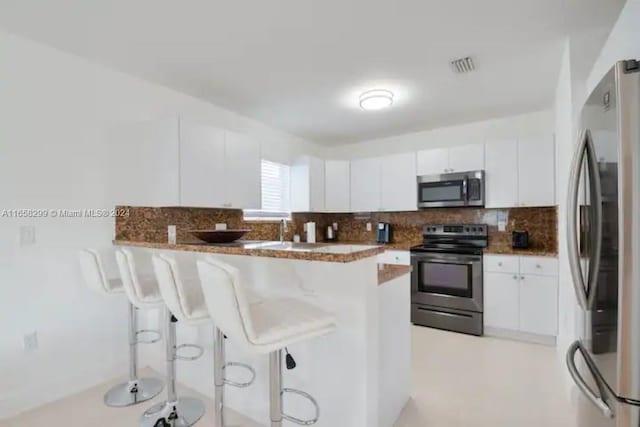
436 191
447 280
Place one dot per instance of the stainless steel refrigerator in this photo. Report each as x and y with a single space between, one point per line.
604 246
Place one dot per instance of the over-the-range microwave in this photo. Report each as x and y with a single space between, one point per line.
451 190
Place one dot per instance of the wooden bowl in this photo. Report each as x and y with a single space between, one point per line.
219 236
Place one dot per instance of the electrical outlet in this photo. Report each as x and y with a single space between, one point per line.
27 235
221 226
335 226
30 341
368 226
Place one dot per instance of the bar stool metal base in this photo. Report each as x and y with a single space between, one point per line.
185 412
132 392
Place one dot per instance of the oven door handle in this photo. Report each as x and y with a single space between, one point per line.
439 261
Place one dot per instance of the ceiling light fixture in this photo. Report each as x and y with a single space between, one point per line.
376 99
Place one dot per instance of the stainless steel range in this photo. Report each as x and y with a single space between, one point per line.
446 282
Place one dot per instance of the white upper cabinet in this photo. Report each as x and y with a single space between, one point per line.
337 186
365 185
398 183
308 185
520 172
536 169
242 171
201 165
459 158
432 162
501 173
218 168
145 156
465 158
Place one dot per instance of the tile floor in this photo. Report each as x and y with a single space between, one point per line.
458 381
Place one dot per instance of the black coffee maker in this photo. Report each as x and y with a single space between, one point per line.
383 234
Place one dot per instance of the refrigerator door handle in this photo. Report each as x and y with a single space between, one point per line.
596 235
580 382
579 285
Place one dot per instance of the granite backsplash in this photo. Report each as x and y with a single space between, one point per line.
146 224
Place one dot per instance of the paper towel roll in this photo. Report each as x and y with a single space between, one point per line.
311 232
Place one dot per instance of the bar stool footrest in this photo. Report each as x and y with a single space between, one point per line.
310 399
244 366
189 358
155 336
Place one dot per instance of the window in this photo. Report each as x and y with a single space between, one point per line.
275 192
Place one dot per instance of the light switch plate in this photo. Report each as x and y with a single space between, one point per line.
368 226
502 221
30 341
27 235
221 226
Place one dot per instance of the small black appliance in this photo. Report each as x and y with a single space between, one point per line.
520 239
384 232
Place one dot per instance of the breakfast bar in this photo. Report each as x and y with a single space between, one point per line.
359 374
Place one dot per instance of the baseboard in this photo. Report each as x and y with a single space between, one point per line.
16 401
520 336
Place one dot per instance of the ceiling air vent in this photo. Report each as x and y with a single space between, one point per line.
463 65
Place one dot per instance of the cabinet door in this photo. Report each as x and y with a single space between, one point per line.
536 169
337 186
501 300
466 158
201 165
501 166
316 181
242 171
144 157
432 162
399 188
365 185
539 304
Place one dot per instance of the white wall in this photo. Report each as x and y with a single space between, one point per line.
536 123
623 43
55 109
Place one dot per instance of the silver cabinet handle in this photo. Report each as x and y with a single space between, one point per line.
572 229
538 266
580 382
499 264
521 277
515 277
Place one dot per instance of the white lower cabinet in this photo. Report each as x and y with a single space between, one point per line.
539 304
501 300
517 303
395 257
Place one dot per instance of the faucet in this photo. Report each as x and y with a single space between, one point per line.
283 229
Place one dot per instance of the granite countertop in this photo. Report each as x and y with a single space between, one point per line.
524 252
388 272
327 252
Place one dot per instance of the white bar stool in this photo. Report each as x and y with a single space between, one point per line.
143 291
267 326
136 390
186 301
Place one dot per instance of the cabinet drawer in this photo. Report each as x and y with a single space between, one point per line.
395 257
501 264
542 266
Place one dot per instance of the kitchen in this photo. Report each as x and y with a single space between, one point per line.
351 225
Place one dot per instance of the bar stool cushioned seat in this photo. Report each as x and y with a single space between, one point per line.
266 326
136 390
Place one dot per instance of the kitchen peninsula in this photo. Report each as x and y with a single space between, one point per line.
360 374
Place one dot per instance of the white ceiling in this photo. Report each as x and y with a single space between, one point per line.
299 65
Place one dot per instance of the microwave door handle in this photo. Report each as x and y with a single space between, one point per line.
572 227
596 207
581 383
465 186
